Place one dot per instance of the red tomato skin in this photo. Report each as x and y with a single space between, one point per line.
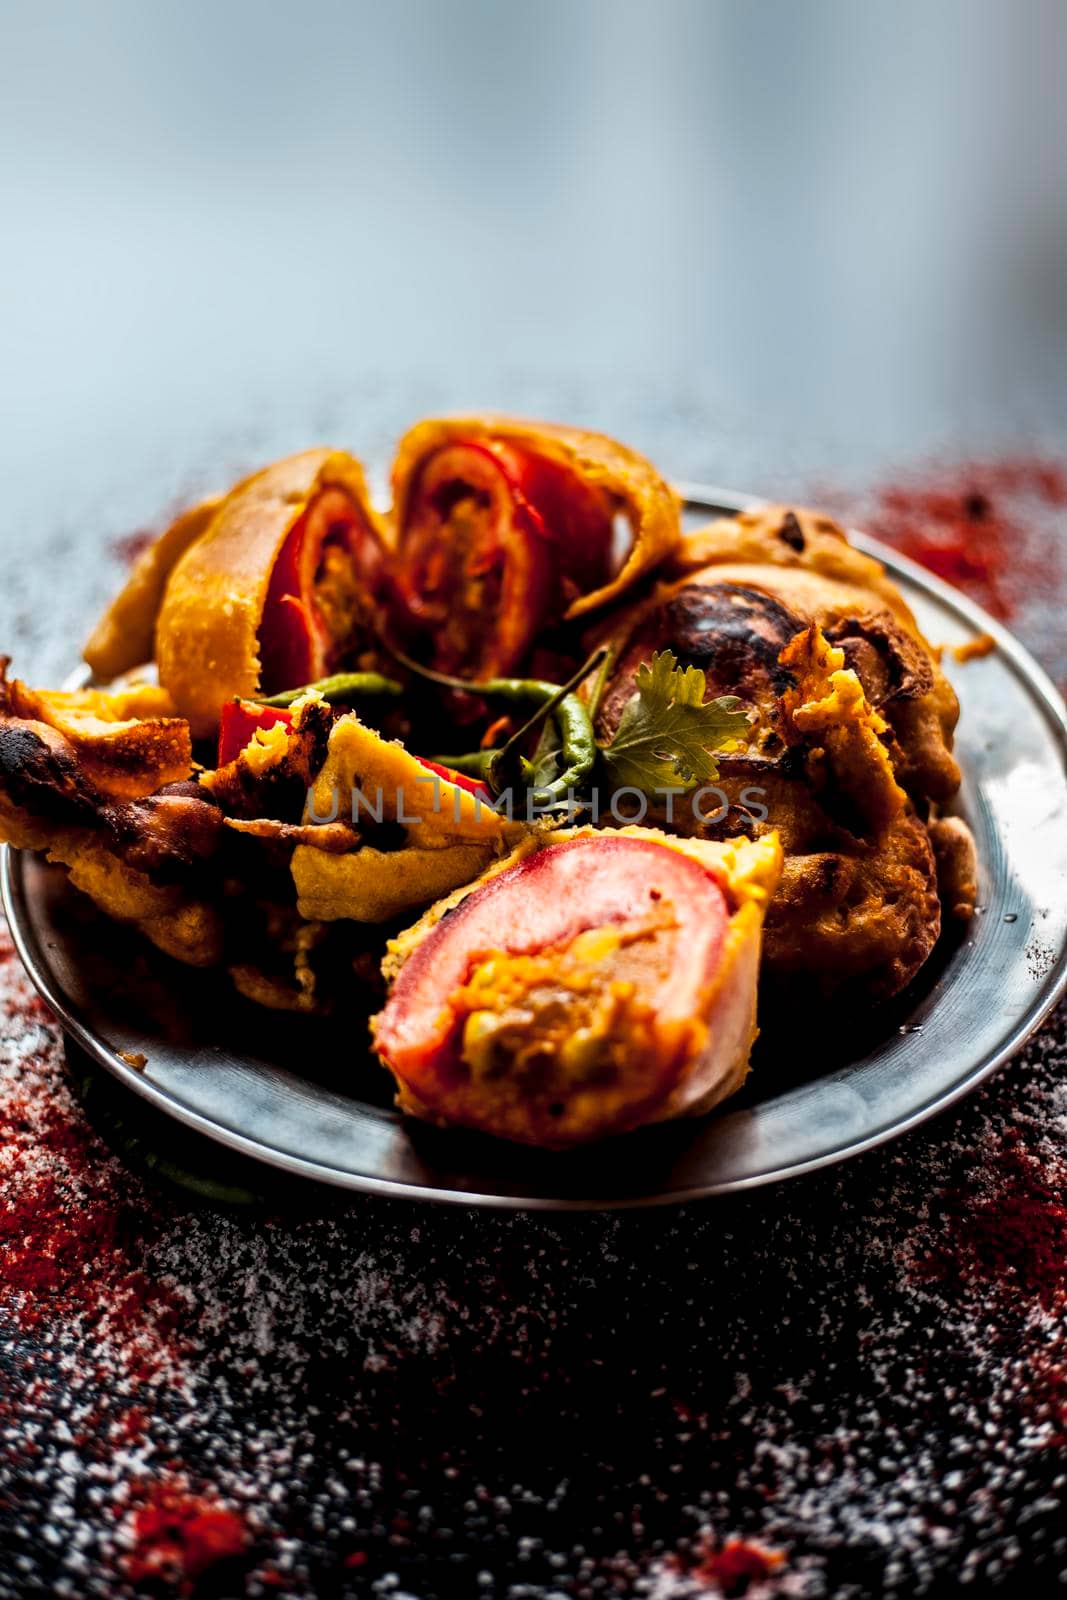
461 779
294 644
545 900
239 723
549 537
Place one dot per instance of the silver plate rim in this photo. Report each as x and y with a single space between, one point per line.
700 499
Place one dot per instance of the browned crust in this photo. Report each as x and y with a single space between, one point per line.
853 913
125 635
862 921
207 634
804 561
827 711
116 742
133 859
259 785
957 866
649 502
335 838
792 537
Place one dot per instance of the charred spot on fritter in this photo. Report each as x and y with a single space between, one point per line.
734 634
277 789
167 836
784 761
38 771
889 663
791 533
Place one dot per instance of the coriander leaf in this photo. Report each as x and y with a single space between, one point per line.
666 733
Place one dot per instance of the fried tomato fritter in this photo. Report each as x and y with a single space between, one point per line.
849 752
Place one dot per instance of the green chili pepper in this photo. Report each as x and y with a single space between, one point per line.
340 689
578 749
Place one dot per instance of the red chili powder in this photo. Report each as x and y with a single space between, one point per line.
732 1566
985 526
72 1242
1008 1228
176 1537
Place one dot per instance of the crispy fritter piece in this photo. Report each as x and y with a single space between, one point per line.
827 709
734 634
127 743
297 990
209 640
796 539
134 859
333 837
100 783
180 925
272 775
957 865
648 503
805 562
850 742
420 836
862 919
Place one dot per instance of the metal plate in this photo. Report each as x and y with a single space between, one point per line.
305 1096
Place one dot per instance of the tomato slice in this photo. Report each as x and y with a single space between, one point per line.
496 541
239 723
637 889
329 576
577 518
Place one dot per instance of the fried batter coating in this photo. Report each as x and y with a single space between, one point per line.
128 743
213 604
271 777
862 919
134 859
957 865
805 561
423 836
647 502
829 710
850 741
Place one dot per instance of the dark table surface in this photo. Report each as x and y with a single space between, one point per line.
852 1384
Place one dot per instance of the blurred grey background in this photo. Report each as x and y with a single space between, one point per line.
768 241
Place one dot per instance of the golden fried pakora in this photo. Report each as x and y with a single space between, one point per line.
277 804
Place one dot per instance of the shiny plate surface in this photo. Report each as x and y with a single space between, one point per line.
305 1096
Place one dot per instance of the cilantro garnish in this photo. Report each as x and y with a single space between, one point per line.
666 732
